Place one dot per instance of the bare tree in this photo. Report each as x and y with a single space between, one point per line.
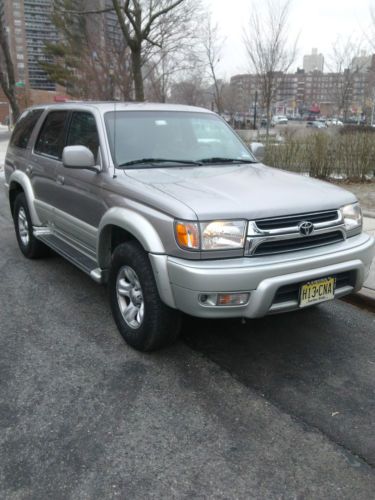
267 46
140 23
175 58
212 45
189 91
7 75
229 100
347 63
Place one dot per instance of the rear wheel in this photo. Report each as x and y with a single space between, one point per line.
144 321
29 245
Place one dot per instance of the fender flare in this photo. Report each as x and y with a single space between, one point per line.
135 224
19 177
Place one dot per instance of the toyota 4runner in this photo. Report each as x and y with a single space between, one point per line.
169 207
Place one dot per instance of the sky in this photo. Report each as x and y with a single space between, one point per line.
318 23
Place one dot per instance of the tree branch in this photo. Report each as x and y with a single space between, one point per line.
161 12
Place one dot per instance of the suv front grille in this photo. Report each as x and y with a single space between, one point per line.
289 293
294 220
293 244
285 234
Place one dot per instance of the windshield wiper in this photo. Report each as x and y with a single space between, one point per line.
152 161
218 159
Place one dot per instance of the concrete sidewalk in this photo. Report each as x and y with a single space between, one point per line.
369 286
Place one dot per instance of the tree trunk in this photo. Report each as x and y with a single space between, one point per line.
10 94
15 108
7 77
137 74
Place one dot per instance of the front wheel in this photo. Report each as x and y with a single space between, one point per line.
29 245
144 321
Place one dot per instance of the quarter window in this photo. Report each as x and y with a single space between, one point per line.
52 136
83 132
24 128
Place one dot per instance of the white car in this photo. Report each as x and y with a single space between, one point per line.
279 120
334 122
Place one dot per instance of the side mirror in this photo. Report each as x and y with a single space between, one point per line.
257 149
79 157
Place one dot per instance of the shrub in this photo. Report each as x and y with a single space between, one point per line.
324 155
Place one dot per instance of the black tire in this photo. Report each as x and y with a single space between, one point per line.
160 325
29 245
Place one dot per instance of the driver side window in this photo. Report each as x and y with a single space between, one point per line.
83 132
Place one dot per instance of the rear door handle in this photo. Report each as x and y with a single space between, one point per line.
60 179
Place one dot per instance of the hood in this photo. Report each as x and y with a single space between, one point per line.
249 191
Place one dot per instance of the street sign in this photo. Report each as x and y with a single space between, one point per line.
20 84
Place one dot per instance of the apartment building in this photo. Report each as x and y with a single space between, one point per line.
300 92
29 26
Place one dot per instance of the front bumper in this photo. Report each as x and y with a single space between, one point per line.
181 282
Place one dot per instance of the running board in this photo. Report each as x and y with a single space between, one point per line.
79 259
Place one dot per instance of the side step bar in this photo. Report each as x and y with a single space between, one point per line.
79 259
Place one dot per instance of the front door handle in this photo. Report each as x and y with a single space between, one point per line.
60 179
29 169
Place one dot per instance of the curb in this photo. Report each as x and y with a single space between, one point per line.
364 298
368 213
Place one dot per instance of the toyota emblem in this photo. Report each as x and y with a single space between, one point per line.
306 228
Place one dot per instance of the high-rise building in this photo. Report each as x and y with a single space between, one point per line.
29 26
313 62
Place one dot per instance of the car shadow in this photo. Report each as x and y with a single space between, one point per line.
315 364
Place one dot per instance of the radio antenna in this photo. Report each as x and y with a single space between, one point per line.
114 140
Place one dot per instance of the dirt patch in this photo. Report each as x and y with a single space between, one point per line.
365 192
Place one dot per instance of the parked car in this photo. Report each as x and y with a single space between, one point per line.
316 124
334 122
279 120
168 207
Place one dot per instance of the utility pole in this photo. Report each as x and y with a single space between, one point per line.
255 110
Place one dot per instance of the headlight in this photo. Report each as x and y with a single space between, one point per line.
222 235
214 235
352 215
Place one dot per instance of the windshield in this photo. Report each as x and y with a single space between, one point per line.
171 137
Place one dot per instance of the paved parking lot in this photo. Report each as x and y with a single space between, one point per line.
281 407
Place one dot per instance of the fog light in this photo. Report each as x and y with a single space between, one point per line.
232 299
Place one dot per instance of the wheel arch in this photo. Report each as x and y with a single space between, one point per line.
19 182
132 226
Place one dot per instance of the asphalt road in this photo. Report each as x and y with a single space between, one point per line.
279 408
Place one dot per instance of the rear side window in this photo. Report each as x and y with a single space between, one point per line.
52 136
83 132
24 128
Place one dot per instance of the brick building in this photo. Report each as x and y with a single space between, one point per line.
299 92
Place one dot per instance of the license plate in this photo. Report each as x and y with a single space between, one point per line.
317 291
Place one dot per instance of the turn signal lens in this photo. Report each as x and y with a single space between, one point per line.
187 235
232 299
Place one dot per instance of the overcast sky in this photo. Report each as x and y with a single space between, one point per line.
318 22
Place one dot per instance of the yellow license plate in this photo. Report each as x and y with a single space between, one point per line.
317 291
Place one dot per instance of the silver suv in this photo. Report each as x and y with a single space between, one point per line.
167 206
